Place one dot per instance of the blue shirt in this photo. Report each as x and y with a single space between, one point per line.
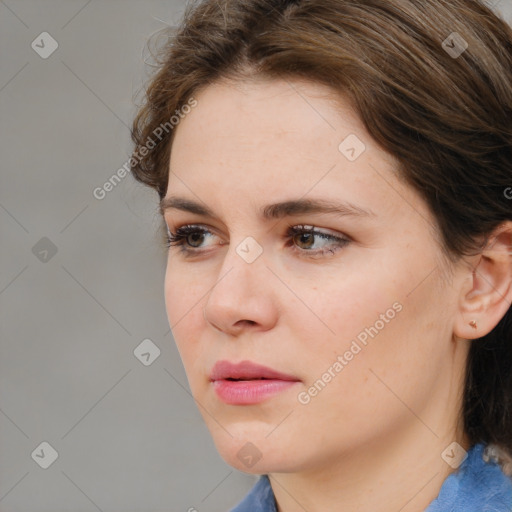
476 486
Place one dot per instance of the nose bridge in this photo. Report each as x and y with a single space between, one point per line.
244 260
243 294
240 276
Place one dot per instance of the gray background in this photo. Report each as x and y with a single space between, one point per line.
129 437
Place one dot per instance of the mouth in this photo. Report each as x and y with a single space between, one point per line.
257 378
247 370
249 391
248 383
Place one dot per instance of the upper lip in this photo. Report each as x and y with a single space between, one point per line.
246 370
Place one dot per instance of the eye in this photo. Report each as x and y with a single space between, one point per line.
190 235
306 237
303 239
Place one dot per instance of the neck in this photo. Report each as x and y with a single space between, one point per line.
405 473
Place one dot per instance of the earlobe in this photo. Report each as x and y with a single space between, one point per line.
487 294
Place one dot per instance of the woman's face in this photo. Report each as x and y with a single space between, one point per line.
358 312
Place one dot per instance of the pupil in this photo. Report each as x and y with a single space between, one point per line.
304 238
197 236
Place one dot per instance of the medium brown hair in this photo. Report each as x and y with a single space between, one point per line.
446 118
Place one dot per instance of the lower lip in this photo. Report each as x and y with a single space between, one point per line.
246 392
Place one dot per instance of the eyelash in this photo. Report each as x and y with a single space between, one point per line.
179 239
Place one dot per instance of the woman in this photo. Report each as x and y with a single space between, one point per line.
335 183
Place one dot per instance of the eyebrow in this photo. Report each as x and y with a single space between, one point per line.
275 210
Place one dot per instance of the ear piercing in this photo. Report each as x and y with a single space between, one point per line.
473 324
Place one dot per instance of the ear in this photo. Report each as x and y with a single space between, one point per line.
487 292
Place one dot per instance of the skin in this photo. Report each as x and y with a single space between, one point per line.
372 438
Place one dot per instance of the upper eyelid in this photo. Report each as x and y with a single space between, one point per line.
335 237
305 227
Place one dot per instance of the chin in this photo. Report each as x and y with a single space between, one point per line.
249 459
253 452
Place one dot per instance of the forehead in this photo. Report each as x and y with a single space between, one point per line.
270 141
275 106
265 126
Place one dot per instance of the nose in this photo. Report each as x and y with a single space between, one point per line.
243 295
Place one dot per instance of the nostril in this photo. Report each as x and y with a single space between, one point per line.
249 322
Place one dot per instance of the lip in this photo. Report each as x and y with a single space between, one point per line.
246 370
260 382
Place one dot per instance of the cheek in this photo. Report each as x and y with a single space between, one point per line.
394 355
376 321
339 307
183 291
357 384
183 305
